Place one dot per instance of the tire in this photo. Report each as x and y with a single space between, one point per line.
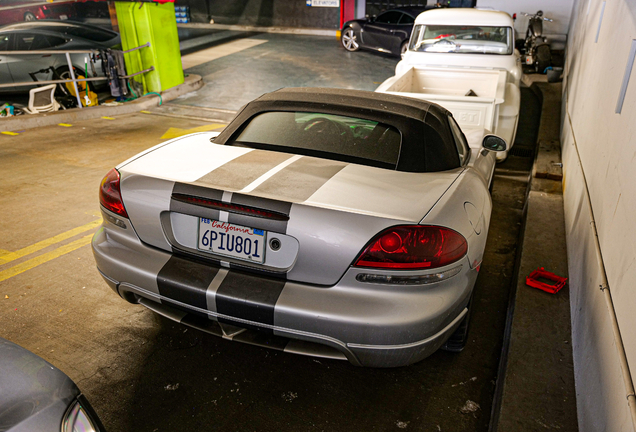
404 48
28 16
544 58
349 40
459 338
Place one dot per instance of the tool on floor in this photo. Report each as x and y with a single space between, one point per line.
540 273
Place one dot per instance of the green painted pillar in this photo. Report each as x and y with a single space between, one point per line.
155 23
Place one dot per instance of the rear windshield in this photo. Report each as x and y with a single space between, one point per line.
324 135
462 39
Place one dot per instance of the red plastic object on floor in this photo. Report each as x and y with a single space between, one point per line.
533 281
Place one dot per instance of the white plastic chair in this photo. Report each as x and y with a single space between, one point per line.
41 100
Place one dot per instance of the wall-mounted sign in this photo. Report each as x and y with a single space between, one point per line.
323 3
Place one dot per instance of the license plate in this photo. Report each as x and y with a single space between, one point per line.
231 240
63 17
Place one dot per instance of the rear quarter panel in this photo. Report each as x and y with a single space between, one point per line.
466 208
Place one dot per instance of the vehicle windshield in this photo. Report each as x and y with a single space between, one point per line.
462 39
324 135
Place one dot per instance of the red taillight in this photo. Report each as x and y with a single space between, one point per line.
413 247
110 194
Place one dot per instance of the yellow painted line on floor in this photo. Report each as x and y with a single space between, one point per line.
108 118
9 133
4 253
11 256
177 132
34 262
64 124
145 112
216 52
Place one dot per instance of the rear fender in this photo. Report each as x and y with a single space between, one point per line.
469 193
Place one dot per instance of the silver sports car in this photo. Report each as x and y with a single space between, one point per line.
333 223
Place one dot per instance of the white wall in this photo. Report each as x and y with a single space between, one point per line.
557 10
606 142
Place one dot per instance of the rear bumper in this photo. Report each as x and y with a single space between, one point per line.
367 324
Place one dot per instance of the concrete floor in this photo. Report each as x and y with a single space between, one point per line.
145 373
538 392
284 60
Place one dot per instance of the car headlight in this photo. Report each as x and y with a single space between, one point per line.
77 419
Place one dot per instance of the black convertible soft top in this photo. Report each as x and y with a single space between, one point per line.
427 141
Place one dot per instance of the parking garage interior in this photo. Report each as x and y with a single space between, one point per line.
534 360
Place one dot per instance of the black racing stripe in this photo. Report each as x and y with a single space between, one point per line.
186 281
191 209
243 170
190 313
301 179
248 297
245 326
264 203
261 203
257 271
203 323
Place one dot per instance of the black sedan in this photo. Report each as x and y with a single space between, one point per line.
389 32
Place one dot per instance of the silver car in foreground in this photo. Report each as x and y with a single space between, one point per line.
37 396
333 223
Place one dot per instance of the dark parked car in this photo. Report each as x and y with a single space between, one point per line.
12 11
49 35
389 32
37 396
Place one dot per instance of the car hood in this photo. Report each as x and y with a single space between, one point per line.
310 181
34 395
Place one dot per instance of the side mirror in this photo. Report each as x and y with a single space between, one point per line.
494 143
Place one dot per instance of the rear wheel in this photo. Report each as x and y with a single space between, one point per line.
349 40
544 58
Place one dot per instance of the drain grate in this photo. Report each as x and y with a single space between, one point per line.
523 152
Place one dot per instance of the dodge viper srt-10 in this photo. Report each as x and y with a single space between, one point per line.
333 223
